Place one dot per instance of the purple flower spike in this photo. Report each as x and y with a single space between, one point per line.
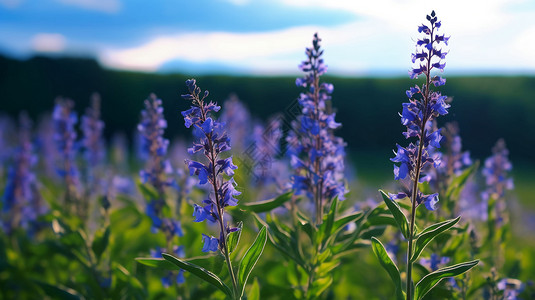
317 156
213 140
21 202
418 114
157 173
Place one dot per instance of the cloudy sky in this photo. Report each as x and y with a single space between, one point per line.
374 37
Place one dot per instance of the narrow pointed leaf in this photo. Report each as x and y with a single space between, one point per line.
100 242
432 279
251 257
388 265
320 285
254 291
428 235
267 205
399 216
233 238
156 263
328 222
343 221
200 272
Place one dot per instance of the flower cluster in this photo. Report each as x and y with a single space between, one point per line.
317 156
22 203
158 168
92 127
65 118
266 142
212 142
496 172
236 117
154 145
453 159
417 115
157 173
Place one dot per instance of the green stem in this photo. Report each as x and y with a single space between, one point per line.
220 208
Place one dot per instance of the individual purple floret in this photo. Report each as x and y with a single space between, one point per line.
65 118
511 288
417 115
216 171
317 156
496 172
22 203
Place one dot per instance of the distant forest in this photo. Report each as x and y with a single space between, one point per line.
486 108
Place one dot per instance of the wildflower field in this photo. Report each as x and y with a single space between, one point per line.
288 195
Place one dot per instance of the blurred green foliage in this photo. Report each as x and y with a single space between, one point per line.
486 108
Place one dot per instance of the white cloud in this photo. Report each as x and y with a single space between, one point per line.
485 35
238 2
249 50
48 42
10 3
524 45
462 16
107 6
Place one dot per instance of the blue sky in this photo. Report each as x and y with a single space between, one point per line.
268 37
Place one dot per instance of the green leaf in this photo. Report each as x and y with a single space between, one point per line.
251 257
156 263
267 205
389 266
457 184
57 291
399 216
200 272
148 192
381 220
281 239
100 242
233 238
210 262
309 229
254 292
343 221
431 280
428 235
319 286
328 222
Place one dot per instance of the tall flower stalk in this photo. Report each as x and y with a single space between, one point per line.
418 158
157 174
424 105
316 154
93 142
453 163
22 203
212 142
65 118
